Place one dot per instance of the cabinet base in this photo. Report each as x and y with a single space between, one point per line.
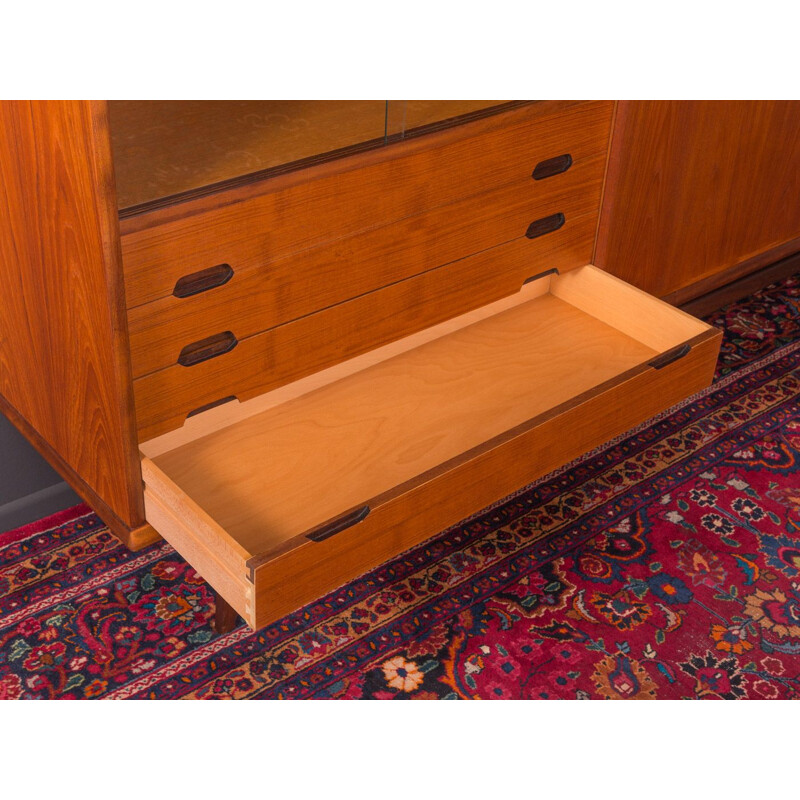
738 289
737 281
225 617
136 538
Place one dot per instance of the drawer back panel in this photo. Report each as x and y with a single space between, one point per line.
314 269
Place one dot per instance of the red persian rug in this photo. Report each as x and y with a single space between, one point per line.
663 565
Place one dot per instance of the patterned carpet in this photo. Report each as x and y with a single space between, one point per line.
664 565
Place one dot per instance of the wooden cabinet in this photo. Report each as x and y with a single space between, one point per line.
700 193
337 259
296 375
64 355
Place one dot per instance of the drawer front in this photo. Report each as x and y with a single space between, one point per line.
256 227
403 519
251 301
286 353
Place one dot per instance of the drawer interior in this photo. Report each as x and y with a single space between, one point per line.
264 473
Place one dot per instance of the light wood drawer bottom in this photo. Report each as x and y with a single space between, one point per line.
279 499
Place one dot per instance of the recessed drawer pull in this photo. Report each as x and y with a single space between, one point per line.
208 406
213 346
671 355
544 274
545 225
346 520
203 281
552 166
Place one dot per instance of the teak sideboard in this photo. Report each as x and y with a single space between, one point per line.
295 374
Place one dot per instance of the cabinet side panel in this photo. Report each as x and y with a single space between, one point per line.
698 190
64 357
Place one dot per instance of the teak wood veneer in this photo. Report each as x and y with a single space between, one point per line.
64 356
295 375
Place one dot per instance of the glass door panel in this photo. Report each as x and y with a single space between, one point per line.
164 148
406 115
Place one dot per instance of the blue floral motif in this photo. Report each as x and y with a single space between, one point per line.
673 591
782 552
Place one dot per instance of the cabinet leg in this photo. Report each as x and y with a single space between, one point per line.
225 617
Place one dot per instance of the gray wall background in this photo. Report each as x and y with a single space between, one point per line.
29 487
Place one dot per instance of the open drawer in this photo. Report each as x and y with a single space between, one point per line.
279 499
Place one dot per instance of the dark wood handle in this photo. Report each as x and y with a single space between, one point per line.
213 346
671 355
207 406
545 225
552 166
337 525
203 281
544 274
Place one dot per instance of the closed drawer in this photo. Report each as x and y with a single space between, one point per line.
279 355
258 226
249 301
280 499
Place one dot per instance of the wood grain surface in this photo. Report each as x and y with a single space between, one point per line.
134 538
743 269
423 431
256 299
403 116
281 217
705 304
298 575
282 472
285 353
64 359
198 538
231 411
696 187
166 147
627 309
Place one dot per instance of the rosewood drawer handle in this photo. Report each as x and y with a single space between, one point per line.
208 406
213 346
203 281
671 355
545 225
552 166
337 525
553 271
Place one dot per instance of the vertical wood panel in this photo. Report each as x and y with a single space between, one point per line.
64 356
696 187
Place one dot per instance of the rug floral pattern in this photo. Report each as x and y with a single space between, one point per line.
663 565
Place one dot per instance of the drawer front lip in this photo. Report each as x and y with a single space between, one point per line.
283 221
302 570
